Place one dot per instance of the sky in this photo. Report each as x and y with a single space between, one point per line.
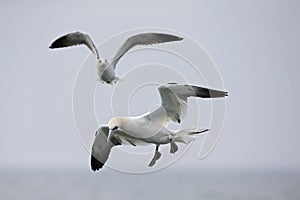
254 44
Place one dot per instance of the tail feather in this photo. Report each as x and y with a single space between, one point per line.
198 132
186 135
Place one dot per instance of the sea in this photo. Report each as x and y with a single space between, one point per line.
83 184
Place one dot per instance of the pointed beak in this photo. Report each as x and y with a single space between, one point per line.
111 132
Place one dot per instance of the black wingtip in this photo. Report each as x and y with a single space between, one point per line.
96 164
58 43
199 132
176 38
208 93
204 130
170 37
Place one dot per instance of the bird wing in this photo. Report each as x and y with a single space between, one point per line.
76 38
101 148
174 98
142 39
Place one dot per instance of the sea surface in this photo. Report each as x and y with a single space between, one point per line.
83 184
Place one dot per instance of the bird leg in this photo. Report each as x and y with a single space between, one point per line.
156 156
174 147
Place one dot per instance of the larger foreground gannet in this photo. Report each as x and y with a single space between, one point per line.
105 68
150 128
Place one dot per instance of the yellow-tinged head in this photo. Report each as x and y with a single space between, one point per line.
115 123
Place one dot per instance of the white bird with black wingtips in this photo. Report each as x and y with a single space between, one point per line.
150 128
105 68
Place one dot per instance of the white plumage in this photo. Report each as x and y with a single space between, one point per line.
150 128
105 68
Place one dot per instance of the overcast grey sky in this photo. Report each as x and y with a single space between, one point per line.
255 45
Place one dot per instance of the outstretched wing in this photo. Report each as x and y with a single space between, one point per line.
143 39
174 98
76 38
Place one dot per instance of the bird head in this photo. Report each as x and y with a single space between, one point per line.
103 61
115 123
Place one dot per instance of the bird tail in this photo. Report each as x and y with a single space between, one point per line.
186 136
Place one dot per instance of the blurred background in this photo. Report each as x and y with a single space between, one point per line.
255 47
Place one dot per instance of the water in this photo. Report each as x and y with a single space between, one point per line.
165 184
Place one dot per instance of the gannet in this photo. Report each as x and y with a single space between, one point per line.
151 128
